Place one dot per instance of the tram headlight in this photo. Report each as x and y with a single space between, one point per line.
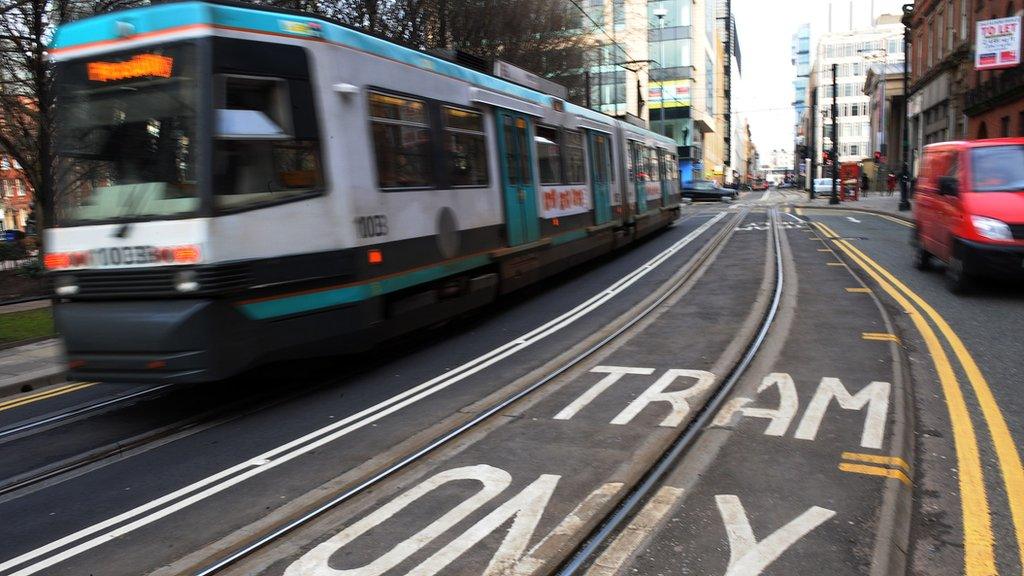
65 285
186 281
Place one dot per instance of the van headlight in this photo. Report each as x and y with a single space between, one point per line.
186 281
991 228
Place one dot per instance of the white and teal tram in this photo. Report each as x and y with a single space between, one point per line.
243 184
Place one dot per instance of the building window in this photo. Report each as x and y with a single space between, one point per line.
401 141
465 147
1005 126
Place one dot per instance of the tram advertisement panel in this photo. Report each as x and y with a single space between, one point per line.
653 190
557 201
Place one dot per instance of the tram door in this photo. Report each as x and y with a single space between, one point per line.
638 175
521 218
600 176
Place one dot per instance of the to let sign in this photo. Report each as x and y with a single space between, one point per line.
998 43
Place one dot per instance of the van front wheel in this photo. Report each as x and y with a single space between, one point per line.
957 278
922 259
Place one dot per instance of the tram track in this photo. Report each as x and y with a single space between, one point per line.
694 268
639 494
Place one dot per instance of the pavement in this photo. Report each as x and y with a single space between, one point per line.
30 366
876 202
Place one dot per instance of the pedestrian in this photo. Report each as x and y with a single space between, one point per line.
890 183
865 183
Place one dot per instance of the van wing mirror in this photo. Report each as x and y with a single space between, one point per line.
949 186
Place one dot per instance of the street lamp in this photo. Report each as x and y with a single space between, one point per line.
908 13
661 12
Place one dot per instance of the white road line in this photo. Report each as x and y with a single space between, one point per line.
852 219
795 217
764 197
242 471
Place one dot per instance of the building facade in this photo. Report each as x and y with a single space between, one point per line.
887 107
15 195
658 60
940 64
994 101
851 53
801 50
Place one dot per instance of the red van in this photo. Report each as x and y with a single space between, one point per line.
969 209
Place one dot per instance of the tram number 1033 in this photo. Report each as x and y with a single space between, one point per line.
372 226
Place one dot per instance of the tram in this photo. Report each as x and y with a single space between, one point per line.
240 185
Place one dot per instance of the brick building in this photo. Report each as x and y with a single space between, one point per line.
940 70
994 102
15 195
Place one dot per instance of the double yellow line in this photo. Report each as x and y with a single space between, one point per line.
21 401
979 543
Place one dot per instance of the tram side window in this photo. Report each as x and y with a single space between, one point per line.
575 172
402 141
465 147
258 159
549 155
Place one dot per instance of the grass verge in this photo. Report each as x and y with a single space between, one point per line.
26 325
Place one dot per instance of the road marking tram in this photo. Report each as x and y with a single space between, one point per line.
241 185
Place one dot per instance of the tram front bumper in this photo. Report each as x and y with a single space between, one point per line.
159 341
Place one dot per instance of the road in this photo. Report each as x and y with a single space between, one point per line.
758 390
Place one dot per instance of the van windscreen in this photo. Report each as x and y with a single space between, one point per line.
998 169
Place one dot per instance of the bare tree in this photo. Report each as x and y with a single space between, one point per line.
26 86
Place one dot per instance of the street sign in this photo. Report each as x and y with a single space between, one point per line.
998 43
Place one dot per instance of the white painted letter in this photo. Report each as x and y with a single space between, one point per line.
656 393
315 562
614 374
747 556
780 417
526 507
875 395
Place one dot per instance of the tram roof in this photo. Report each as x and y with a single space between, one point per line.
180 16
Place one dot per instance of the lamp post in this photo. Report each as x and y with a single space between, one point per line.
661 13
908 13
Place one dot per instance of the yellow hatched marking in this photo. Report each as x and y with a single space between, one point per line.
824 249
979 544
859 290
883 336
875 471
1006 449
878 459
60 390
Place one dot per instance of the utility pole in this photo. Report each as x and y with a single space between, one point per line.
834 199
908 13
661 13
812 144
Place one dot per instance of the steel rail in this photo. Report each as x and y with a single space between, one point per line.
75 412
638 494
697 265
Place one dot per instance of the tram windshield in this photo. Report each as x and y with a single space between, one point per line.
126 136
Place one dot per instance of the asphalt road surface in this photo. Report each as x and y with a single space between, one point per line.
756 390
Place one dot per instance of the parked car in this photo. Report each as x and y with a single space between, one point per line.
969 209
823 186
707 190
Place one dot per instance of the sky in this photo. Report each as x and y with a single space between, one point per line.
764 94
